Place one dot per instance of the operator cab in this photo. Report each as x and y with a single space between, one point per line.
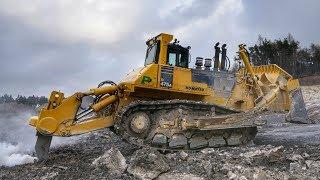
163 52
173 60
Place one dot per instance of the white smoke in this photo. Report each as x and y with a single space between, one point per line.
17 138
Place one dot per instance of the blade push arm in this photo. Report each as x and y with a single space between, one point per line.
61 118
244 55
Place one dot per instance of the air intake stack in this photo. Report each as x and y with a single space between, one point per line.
207 64
199 62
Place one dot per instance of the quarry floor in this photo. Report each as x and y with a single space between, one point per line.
280 151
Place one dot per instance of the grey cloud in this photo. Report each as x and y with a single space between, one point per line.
73 45
275 19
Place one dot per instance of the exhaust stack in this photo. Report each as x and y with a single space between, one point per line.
223 57
216 56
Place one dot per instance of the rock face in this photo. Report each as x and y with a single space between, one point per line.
147 163
112 160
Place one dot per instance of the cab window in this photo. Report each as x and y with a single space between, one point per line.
152 54
178 56
172 59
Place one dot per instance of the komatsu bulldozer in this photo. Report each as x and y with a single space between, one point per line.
169 105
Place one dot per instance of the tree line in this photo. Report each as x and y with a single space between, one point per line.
30 100
288 54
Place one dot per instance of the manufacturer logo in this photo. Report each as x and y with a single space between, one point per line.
146 80
194 88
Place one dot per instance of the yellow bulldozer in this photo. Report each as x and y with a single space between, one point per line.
169 105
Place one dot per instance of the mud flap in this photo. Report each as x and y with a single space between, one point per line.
42 146
298 112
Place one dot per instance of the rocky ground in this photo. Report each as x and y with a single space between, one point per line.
280 151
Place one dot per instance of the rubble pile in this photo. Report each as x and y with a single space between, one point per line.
91 158
280 151
311 96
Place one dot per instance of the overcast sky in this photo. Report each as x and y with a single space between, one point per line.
72 45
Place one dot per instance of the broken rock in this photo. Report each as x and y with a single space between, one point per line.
313 164
112 160
261 175
177 176
183 155
295 166
232 175
147 163
295 157
275 154
271 155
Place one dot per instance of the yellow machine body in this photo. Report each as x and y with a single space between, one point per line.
266 86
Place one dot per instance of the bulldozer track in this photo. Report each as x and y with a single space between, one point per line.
174 138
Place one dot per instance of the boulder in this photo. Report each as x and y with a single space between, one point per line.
147 163
112 160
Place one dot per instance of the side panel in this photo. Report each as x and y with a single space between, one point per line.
202 76
182 81
146 76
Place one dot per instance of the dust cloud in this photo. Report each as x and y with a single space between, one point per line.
17 138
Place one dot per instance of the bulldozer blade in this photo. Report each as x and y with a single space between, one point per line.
298 112
42 146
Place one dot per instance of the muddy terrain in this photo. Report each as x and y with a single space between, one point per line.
280 151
